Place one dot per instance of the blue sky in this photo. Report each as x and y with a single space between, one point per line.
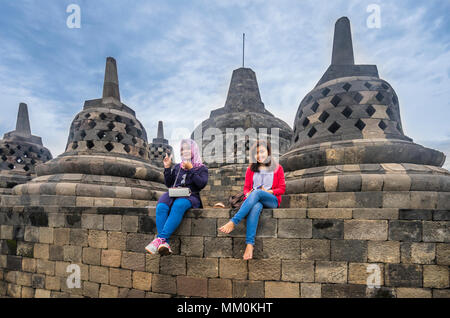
175 59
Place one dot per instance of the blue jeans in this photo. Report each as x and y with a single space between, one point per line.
252 207
167 223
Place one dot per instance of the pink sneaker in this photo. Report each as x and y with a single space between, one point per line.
164 249
152 248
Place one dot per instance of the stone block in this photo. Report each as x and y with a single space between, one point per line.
91 289
384 251
38 281
435 276
310 290
282 290
400 230
328 229
294 228
111 258
120 277
341 200
349 250
45 267
219 288
56 253
436 231
218 247
366 274
23 279
173 265
92 221
31 234
134 261
152 263
315 249
107 291
91 255
415 214
423 253
202 267
233 268
191 286
297 271
27 292
264 269
99 274
42 293
130 223
61 236
117 240
343 291
376 214
52 283
337 213
442 254
281 248
396 199
374 230
73 253
248 289
405 292
403 275
98 239
142 280
112 222
29 265
78 237
191 246
330 272
204 227
165 284
137 242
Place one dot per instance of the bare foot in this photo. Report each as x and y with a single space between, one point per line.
227 228
248 254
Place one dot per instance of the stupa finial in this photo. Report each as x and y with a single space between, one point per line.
342 43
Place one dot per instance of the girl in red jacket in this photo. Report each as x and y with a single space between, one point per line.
264 185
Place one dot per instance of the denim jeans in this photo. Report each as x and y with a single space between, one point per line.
167 223
252 207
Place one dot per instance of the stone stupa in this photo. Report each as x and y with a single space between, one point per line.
106 161
243 109
20 152
159 147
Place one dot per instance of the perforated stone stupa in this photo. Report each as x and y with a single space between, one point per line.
106 161
159 147
20 152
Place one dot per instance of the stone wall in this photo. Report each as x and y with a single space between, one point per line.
300 251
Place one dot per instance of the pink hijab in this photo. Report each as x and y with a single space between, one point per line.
196 158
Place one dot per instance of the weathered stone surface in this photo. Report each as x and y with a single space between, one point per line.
404 292
191 246
134 261
436 231
91 255
442 254
111 258
281 248
343 291
435 276
202 267
349 250
120 277
282 290
233 268
173 265
405 230
366 274
220 288
117 240
376 230
310 290
191 286
297 271
164 284
294 228
403 275
99 274
328 229
384 251
331 272
107 291
264 269
248 289
142 280
315 249
218 247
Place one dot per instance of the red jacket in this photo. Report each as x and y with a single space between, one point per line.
278 185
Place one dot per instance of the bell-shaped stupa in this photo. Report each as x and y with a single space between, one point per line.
20 152
348 134
106 161
159 147
244 113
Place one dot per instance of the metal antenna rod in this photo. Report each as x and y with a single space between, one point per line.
243 48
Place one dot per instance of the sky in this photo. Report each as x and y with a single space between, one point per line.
175 59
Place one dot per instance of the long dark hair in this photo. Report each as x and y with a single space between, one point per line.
254 166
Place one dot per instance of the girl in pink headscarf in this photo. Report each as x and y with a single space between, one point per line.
191 173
